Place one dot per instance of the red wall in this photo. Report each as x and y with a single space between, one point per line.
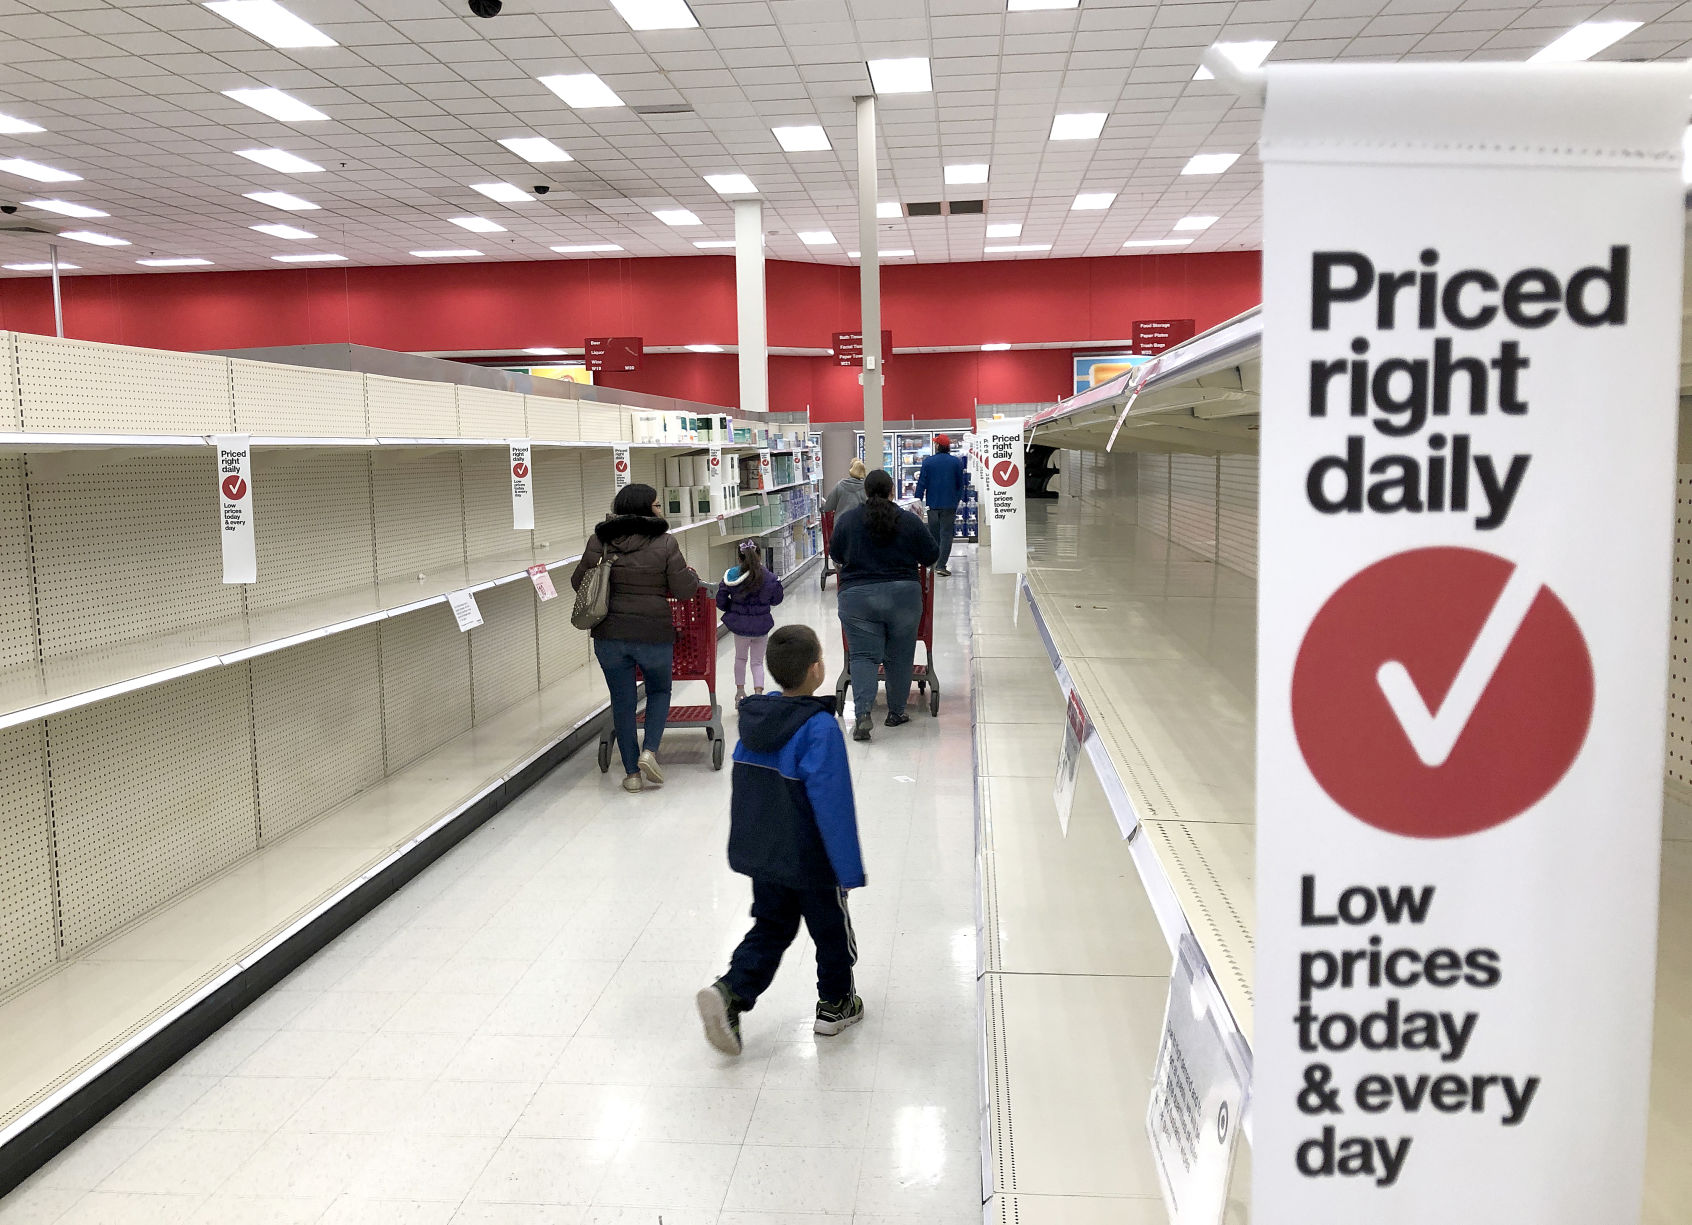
674 302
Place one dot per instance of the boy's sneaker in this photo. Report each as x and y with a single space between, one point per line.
861 729
836 1015
720 1009
942 572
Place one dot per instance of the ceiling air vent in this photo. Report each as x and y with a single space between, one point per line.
931 208
22 227
663 108
960 208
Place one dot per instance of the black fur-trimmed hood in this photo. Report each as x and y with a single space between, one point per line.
621 527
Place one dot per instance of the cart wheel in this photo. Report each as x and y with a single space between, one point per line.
604 756
710 732
716 754
922 686
934 703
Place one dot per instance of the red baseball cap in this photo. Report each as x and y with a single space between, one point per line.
940 440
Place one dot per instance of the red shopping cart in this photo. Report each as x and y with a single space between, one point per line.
828 539
695 620
922 674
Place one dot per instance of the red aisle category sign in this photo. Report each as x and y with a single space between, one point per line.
849 348
1153 336
613 354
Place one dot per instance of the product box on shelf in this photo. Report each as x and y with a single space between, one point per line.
678 504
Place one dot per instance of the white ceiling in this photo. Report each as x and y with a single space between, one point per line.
419 91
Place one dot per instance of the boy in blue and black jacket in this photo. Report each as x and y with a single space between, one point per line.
793 829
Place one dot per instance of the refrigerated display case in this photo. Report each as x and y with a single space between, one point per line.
886 450
912 448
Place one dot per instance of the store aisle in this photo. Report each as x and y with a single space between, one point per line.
511 1038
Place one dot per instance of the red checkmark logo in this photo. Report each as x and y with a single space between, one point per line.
519 470
622 465
234 488
1441 692
1005 473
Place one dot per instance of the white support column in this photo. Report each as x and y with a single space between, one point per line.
869 281
753 334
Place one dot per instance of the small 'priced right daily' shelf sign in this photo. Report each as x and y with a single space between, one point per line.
1472 303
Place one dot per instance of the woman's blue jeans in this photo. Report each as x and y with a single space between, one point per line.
881 621
618 659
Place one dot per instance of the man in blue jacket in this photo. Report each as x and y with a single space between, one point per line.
794 830
941 484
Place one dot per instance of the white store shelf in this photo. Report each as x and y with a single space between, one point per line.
86 1013
13 441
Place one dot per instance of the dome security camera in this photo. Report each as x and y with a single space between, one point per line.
486 8
8 209
541 189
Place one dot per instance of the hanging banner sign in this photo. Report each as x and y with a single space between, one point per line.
612 354
522 486
1153 336
1463 625
541 577
465 609
235 507
1075 729
1005 506
1198 1096
620 475
766 470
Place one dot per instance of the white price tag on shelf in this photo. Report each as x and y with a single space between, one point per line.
1076 728
620 473
522 486
541 577
464 608
1463 621
235 507
1198 1096
1005 506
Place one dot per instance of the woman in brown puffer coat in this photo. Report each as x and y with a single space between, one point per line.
647 568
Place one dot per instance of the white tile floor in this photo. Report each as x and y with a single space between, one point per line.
511 1038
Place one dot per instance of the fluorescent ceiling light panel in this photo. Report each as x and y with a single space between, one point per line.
816 238
1209 163
10 125
90 236
967 172
276 104
901 76
1079 127
715 244
307 259
656 14
1005 229
1018 249
1093 200
189 261
704 348
545 351
676 216
889 209
280 159
582 91
505 193
63 267
1158 242
1583 42
460 253
268 20
281 199
35 170
1033 6
802 138
536 149
901 253
283 231
478 225
731 184
65 208
1194 223
994 348
1246 55
586 248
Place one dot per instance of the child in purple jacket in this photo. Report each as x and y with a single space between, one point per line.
745 596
